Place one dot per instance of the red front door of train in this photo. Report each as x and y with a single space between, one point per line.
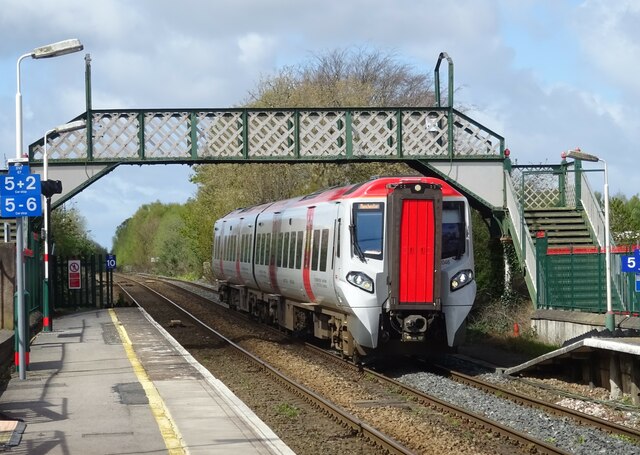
415 214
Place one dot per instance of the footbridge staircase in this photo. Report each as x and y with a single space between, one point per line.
441 141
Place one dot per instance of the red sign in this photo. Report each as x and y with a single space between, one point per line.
74 274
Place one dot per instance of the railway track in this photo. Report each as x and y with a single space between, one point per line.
494 389
356 425
561 411
609 427
520 438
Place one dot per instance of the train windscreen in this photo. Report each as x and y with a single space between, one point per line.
453 230
368 222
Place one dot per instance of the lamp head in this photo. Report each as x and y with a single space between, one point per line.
71 126
57 49
578 155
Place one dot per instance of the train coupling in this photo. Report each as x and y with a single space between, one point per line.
414 328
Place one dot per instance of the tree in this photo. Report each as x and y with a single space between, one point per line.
154 240
69 234
341 78
625 219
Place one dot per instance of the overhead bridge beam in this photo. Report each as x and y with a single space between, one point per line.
274 135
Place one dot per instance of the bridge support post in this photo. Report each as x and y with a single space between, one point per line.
635 381
615 382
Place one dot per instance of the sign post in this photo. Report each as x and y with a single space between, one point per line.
20 192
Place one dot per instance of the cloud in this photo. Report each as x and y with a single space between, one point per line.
610 39
546 75
255 49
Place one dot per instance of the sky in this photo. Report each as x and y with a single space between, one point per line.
547 75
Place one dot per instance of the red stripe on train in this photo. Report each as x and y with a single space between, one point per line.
306 278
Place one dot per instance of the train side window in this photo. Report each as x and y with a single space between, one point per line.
246 248
315 255
268 250
256 256
261 251
323 250
234 248
292 251
453 229
243 244
299 250
279 250
338 237
285 251
249 247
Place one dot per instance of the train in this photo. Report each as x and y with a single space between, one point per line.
382 266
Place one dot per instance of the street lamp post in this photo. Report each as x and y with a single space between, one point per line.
609 319
66 128
48 51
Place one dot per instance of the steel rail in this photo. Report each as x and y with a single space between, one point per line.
433 402
586 419
342 416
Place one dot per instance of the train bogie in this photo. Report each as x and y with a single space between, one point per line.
362 266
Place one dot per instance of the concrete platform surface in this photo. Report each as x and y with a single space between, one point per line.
114 382
626 345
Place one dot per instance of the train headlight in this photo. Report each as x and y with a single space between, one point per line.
461 279
360 280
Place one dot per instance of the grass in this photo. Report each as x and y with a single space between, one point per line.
288 410
493 323
526 344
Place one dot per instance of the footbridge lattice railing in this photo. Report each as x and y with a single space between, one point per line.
435 133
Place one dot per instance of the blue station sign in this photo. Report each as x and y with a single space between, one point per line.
111 261
20 192
631 264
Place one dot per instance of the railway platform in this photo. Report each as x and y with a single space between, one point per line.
599 359
112 382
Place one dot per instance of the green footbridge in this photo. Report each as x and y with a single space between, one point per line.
520 202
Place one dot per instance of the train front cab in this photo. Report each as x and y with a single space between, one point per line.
429 262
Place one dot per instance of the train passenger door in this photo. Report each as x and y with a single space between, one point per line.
341 220
414 237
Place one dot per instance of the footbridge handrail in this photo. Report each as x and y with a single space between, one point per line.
243 134
525 248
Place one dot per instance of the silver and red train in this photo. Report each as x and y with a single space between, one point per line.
373 266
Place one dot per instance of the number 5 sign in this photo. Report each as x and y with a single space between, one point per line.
631 263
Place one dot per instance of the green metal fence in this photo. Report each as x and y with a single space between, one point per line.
575 279
96 287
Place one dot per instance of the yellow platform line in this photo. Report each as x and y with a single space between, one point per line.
170 434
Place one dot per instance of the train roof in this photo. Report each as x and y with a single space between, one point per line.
376 187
